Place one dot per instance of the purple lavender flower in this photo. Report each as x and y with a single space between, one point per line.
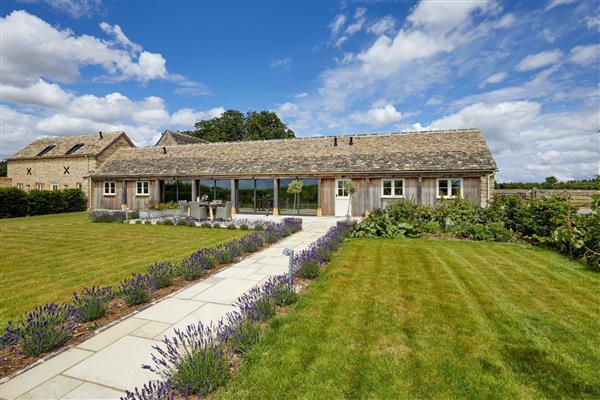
162 274
153 390
45 328
90 304
136 290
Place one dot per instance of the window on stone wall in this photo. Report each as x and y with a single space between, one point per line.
20 186
78 185
54 186
39 186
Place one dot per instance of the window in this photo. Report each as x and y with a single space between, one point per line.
74 148
110 188
342 188
392 188
78 185
54 186
449 188
39 186
142 188
20 186
46 149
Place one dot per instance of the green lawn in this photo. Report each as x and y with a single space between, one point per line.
46 258
394 319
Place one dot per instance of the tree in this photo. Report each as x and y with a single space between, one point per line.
233 126
551 180
3 170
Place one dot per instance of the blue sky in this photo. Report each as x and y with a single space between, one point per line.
526 73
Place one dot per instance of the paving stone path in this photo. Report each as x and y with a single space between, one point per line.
107 364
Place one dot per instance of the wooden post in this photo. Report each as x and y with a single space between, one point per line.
233 197
319 210
419 184
275 197
194 189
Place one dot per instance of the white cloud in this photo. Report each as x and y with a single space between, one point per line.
301 95
287 109
41 93
592 22
117 32
434 101
385 25
186 117
378 116
74 8
495 78
555 3
529 145
360 11
33 49
336 25
506 21
284 63
585 54
539 60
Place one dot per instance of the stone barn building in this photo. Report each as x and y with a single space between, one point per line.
426 167
62 162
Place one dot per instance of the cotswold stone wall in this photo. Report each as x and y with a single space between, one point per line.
52 171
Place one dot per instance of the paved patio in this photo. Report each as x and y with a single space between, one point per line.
107 364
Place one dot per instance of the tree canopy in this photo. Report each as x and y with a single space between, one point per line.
233 126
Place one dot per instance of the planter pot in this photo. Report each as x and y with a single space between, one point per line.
152 214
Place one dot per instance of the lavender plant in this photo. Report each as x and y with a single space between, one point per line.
258 303
136 290
45 328
244 336
153 390
285 295
251 243
194 360
191 268
162 274
90 304
10 336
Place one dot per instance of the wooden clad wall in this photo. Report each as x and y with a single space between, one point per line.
327 196
471 190
428 191
359 198
374 200
410 189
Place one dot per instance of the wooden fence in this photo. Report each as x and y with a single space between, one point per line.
580 198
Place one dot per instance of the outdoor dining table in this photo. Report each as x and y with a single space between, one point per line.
212 205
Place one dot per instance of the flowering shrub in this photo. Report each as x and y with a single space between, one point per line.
251 242
194 360
136 290
191 268
258 303
161 274
107 216
45 328
306 263
284 295
11 335
90 304
245 334
154 390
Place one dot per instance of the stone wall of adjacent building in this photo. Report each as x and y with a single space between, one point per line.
110 150
51 171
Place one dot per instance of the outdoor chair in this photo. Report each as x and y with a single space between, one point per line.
197 210
224 212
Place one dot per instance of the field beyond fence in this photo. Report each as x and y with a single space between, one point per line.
580 198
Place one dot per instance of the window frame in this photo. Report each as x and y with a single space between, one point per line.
79 186
342 188
54 186
393 194
449 195
137 188
39 186
20 186
111 185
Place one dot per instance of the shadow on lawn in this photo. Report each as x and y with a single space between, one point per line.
548 376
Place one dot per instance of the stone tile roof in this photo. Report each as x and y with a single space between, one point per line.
452 150
92 146
170 138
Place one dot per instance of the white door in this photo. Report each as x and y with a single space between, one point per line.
342 198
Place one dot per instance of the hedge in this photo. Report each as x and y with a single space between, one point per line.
19 203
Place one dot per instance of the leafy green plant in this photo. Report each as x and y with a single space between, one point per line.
309 269
284 296
245 336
